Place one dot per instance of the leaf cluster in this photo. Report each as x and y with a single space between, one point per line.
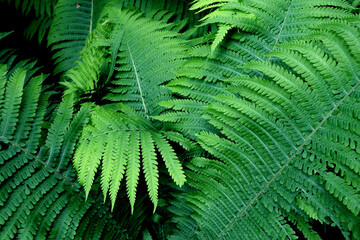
210 119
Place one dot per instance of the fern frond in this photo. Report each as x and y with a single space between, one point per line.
120 162
39 197
57 129
287 145
4 34
133 168
120 137
150 166
12 103
85 76
73 21
140 58
172 163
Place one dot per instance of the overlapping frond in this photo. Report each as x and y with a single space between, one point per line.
74 20
144 56
258 26
272 21
289 145
86 76
119 138
261 26
39 196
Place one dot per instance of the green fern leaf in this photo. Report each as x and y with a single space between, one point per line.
4 34
3 69
133 168
150 166
172 163
287 144
12 103
73 21
140 65
122 137
119 169
57 129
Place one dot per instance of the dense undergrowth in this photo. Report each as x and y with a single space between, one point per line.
175 119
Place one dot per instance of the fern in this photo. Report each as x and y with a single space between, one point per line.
202 76
114 136
75 20
4 34
140 60
289 144
139 64
216 119
39 196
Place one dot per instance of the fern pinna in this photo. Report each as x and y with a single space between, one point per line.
176 119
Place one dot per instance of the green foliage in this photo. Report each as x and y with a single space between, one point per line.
74 20
39 195
137 53
139 58
114 138
290 142
4 34
209 119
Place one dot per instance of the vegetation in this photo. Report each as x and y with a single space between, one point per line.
176 119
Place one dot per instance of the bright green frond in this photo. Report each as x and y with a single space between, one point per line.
149 164
119 138
117 173
85 76
171 161
133 168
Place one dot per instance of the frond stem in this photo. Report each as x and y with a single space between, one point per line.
36 158
116 130
281 29
137 80
91 15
